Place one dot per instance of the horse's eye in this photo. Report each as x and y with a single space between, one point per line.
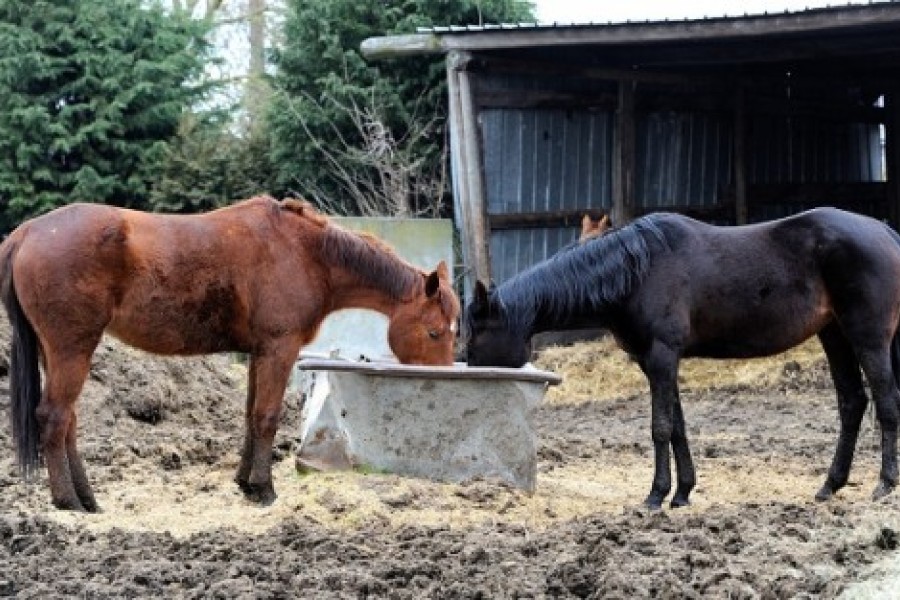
434 334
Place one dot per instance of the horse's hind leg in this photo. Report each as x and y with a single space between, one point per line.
852 401
56 417
876 364
76 468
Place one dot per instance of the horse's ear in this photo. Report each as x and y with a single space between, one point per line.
443 271
480 297
586 223
604 222
433 282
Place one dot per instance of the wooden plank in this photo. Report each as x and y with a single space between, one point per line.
892 154
741 212
547 219
843 195
397 46
462 203
474 175
624 155
545 98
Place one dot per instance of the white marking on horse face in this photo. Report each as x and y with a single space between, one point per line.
453 327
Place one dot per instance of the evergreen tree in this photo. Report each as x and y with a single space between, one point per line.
336 118
208 166
90 93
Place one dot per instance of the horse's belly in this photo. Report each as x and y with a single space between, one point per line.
762 329
176 337
163 326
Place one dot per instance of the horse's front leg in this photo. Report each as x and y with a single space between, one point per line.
684 464
270 370
660 365
242 477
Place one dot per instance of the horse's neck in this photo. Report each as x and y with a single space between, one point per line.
362 273
536 315
544 321
350 290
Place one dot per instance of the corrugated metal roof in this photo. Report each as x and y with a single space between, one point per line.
491 27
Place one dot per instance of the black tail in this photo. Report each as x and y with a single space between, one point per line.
24 376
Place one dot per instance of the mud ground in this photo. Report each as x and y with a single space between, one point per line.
161 439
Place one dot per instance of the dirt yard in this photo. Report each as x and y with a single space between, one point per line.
161 440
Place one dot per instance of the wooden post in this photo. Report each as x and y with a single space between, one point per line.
466 164
892 154
624 155
741 210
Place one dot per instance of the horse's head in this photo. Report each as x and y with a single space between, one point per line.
422 331
492 342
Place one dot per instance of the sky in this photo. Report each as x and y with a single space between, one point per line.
603 11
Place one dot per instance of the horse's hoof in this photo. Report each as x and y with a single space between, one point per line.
882 489
72 504
264 495
245 486
825 493
653 502
90 505
678 502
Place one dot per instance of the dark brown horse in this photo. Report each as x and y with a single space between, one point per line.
670 287
257 277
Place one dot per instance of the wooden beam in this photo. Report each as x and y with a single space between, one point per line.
892 154
624 155
741 211
548 219
468 178
397 46
461 202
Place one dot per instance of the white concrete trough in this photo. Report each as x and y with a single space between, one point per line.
443 423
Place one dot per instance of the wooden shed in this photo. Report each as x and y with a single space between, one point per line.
731 120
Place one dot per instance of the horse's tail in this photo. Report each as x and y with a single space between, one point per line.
24 376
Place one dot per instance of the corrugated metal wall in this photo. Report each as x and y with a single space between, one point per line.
808 150
545 159
683 159
539 160
803 149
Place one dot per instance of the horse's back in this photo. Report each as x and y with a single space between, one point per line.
172 284
759 289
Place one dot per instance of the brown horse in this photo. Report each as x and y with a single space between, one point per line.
256 277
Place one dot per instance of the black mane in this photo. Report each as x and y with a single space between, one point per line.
581 277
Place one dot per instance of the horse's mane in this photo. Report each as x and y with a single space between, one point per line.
582 277
371 259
